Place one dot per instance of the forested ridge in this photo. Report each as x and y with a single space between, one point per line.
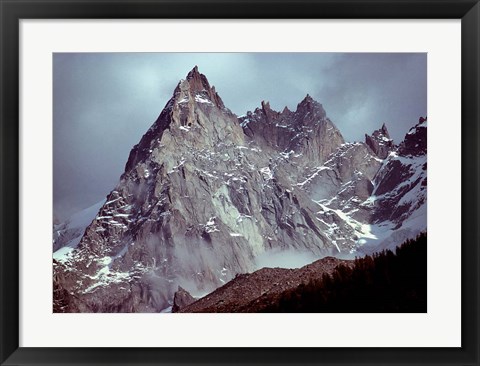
383 282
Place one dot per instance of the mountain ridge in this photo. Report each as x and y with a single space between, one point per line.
205 192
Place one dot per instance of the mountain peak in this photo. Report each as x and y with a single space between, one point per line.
307 99
193 72
196 84
265 105
308 104
415 142
380 142
384 130
205 194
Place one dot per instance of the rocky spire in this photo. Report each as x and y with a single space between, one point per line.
198 85
181 299
203 195
380 142
198 82
190 93
309 105
385 131
265 105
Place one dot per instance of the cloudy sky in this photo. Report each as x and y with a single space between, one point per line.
104 102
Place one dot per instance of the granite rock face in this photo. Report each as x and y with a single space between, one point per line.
401 186
205 192
181 299
307 131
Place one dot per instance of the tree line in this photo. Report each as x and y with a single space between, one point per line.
380 283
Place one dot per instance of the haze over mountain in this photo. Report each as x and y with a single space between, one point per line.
206 193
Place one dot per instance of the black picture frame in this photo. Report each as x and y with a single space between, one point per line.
13 10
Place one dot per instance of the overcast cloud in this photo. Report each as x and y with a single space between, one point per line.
104 103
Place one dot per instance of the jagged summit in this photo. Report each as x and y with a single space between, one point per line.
193 72
205 193
307 100
380 142
415 142
306 131
191 108
310 105
385 130
306 105
265 104
198 82
197 88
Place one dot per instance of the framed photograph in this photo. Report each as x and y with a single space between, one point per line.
229 182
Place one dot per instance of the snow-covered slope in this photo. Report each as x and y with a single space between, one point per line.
383 201
67 235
